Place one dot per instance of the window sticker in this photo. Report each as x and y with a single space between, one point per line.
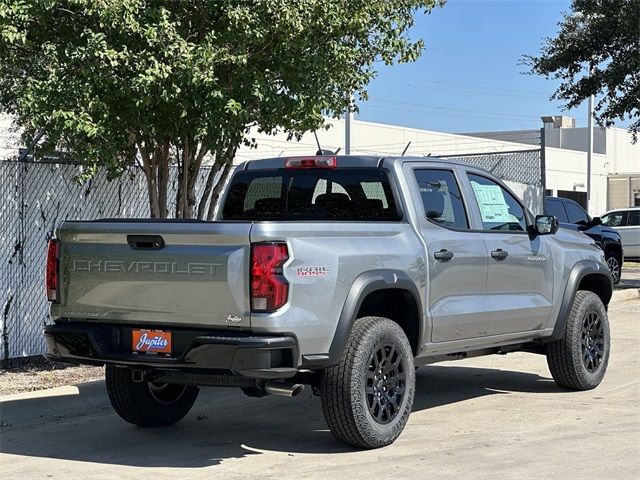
493 207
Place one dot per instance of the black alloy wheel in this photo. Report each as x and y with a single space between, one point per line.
614 266
593 341
385 385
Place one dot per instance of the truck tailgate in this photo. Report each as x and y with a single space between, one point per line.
169 272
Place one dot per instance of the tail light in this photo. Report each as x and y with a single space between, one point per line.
52 274
269 288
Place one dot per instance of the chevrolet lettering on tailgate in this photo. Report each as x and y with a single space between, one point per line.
116 266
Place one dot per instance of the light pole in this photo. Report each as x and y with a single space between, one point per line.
589 154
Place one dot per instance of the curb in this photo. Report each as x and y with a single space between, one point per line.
40 406
625 295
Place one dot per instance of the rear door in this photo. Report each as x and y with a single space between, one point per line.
456 256
630 233
520 271
150 273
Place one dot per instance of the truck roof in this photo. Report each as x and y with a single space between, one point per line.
346 161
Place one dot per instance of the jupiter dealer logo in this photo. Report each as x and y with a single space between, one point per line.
147 343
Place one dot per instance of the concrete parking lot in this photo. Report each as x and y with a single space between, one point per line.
499 416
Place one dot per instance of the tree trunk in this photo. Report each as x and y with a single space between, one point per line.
147 167
194 174
163 178
227 158
215 194
156 159
206 193
182 210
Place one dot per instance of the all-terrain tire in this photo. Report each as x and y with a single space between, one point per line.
578 361
377 361
144 403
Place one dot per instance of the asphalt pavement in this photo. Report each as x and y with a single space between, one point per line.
491 417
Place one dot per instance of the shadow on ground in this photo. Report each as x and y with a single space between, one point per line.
224 424
628 283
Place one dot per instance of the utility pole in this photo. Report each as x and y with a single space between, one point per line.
589 154
348 118
590 149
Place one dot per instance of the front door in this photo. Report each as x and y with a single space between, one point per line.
520 271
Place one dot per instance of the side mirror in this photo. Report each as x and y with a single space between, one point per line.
546 224
596 221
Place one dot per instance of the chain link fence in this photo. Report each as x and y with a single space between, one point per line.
522 166
522 171
36 197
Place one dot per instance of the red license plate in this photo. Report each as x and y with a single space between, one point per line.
151 341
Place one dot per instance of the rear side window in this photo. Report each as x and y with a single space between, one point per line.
555 208
311 194
634 218
441 198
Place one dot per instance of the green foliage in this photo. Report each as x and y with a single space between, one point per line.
175 80
605 35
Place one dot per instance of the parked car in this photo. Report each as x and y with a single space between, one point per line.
572 215
338 272
627 222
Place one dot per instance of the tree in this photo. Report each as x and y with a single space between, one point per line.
114 82
597 52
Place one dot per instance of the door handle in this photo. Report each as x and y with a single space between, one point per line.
499 254
145 242
443 255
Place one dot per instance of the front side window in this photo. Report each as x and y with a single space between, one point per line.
615 219
499 210
441 198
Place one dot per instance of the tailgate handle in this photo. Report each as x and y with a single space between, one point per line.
145 242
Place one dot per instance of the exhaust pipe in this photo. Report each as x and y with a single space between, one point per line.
286 389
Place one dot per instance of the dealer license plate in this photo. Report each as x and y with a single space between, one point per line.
151 342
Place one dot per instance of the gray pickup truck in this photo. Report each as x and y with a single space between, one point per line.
339 272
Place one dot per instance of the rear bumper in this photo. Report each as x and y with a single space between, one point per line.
202 351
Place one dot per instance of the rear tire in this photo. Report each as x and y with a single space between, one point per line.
368 396
147 404
578 361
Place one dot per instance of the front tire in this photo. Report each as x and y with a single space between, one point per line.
579 360
614 262
368 396
147 404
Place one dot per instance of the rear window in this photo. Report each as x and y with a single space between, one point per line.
311 194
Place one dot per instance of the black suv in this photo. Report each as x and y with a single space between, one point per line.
571 215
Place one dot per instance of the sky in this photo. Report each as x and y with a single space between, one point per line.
469 77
